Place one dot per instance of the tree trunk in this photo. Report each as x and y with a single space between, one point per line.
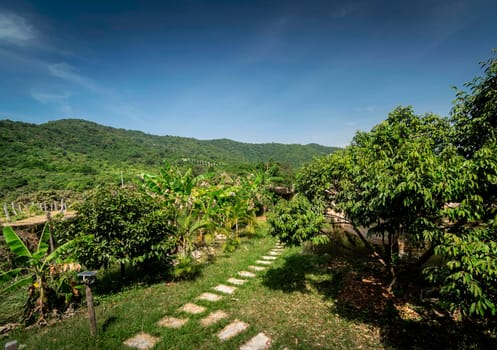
123 270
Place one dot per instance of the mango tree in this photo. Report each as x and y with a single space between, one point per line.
469 275
128 226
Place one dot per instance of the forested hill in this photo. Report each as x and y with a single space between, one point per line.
73 154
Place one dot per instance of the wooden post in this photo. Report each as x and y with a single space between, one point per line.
11 345
89 279
13 209
6 211
91 309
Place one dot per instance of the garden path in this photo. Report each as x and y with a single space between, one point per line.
144 341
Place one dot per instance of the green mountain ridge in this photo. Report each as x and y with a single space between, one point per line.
75 154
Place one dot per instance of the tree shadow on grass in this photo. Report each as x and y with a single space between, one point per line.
299 273
110 281
358 286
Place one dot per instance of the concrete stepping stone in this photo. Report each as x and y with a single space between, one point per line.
213 317
256 268
225 289
142 341
234 328
236 281
263 262
192 308
246 274
272 252
210 297
172 322
259 342
269 257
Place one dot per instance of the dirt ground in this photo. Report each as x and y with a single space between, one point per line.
38 219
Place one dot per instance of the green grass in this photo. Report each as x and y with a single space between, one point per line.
298 302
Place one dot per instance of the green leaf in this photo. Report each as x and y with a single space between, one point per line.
19 283
9 275
44 240
15 243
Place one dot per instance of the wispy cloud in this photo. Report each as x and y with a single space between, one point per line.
48 97
67 72
15 29
60 100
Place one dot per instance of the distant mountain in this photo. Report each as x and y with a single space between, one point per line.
75 154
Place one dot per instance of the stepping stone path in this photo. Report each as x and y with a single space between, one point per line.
172 322
246 274
225 289
232 329
210 297
259 342
213 317
144 341
192 308
236 281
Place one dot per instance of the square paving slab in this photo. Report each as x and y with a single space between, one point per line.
259 342
246 274
269 257
225 289
236 281
264 262
272 252
172 322
257 268
142 341
192 308
213 317
210 297
234 328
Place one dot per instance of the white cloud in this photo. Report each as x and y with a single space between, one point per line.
48 97
60 100
67 72
15 29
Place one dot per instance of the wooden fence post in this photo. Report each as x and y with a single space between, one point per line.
6 211
13 209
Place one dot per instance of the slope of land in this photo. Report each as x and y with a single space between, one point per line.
73 154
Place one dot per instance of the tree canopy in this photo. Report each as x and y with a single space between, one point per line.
431 181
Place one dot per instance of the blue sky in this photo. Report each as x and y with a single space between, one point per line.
252 71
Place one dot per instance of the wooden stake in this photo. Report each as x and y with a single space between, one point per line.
6 211
91 309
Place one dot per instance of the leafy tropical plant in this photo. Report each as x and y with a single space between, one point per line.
36 269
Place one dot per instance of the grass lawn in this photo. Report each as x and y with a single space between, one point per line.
302 301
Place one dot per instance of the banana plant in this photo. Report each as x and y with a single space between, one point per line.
35 270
